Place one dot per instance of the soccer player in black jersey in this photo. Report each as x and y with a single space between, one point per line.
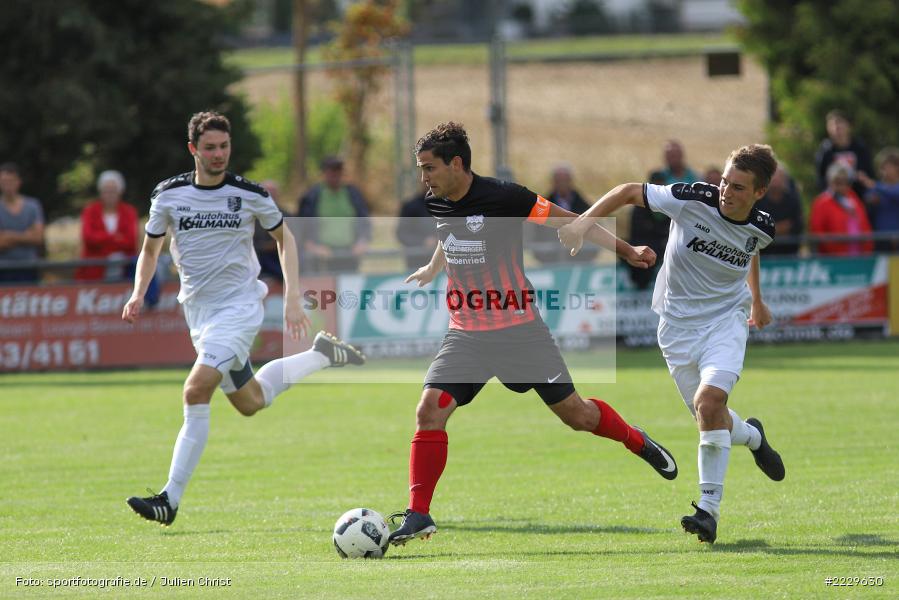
495 329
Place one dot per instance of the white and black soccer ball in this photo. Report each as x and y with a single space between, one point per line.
361 533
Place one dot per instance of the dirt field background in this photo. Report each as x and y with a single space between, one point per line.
609 120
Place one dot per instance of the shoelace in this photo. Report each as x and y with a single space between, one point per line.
392 518
154 497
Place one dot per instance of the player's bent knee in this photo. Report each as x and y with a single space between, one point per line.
710 406
247 411
196 394
431 412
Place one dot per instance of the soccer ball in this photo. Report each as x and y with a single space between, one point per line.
361 533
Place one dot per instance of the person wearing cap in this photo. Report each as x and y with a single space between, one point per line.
336 229
108 230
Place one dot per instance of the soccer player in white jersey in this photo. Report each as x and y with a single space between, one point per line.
212 215
707 294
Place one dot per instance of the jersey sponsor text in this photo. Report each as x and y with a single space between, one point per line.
720 251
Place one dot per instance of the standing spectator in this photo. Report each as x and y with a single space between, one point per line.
563 194
838 210
676 169
883 197
336 231
783 203
265 245
841 146
108 229
21 227
416 230
649 228
712 175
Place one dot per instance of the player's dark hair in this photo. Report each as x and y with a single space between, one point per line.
202 122
446 141
757 159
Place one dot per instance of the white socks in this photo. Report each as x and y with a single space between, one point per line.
188 450
277 375
714 452
744 434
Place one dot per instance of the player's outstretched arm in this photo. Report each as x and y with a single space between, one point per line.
295 317
426 274
146 267
759 314
572 235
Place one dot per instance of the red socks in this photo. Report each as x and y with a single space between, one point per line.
612 426
426 462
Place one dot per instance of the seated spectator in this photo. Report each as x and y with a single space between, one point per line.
416 230
21 227
565 195
337 230
783 203
649 228
265 245
675 169
838 210
842 146
883 196
712 175
108 230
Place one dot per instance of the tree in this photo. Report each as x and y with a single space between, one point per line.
822 55
300 34
112 84
361 35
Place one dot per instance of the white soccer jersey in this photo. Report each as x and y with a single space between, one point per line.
708 256
213 230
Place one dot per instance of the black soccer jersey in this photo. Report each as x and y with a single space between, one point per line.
481 236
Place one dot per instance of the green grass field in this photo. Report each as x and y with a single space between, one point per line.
478 54
526 508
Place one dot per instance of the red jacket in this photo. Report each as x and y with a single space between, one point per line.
827 216
99 243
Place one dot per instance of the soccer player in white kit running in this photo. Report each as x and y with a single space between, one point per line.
706 307
212 215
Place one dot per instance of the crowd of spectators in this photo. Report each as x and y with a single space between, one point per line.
857 195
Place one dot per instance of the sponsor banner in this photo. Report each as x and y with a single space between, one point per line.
811 299
387 316
80 326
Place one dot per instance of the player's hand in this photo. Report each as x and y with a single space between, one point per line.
642 257
759 315
296 319
423 276
132 309
572 235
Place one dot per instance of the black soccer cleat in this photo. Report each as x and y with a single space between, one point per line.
336 350
415 525
154 508
701 524
658 457
766 458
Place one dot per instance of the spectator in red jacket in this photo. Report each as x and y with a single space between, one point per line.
838 210
108 229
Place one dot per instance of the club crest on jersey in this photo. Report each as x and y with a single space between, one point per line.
234 203
475 223
751 243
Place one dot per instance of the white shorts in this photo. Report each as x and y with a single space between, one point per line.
712 355
224 336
